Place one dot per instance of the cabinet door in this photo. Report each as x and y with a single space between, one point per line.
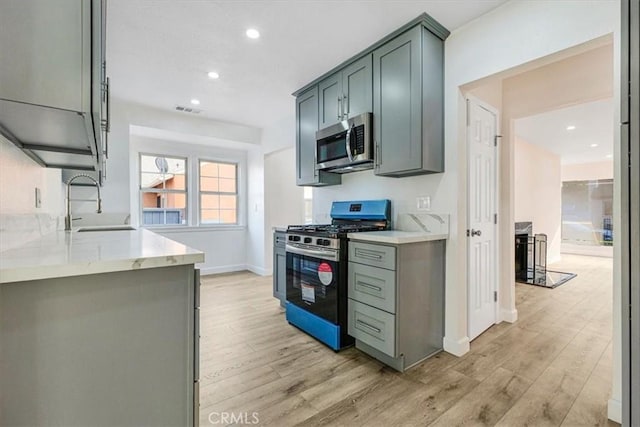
42 44
397 98
306 127
280 275
357 87
330 93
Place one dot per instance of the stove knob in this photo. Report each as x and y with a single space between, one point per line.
290 237
319 242
326 242
296 238
307 239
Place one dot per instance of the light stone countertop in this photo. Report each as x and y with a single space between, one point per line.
63 254
396 237
279 228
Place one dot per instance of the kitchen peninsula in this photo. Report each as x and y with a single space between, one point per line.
100 328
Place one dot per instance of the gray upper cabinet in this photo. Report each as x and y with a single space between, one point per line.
408 103
54 91
306 127
330 93
401 80
42 66
346 93
357 87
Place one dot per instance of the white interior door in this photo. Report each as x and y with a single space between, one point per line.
481 232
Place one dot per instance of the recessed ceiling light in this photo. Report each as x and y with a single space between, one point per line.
213 75
609 156
594 145
252 33
571 127
195 101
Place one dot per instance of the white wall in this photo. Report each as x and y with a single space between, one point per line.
538 193
588 171
19 176
20 220
226 250
511 35
225 247
255 237
514 34
116 194
283 201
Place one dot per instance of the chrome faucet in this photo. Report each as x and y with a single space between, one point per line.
67 218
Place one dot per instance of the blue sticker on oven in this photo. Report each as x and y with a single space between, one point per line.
308 292
325 273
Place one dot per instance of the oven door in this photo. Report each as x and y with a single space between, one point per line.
312 280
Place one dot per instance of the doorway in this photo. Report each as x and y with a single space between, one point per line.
579 76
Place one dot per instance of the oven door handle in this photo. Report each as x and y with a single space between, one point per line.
328 255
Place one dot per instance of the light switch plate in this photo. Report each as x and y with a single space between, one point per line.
423 203
38 198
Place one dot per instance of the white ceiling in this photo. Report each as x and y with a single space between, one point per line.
159 51
594 125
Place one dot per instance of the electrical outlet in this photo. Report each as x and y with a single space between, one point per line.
38 198
423 203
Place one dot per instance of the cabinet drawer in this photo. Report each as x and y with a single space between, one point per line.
373 327
373 286
375 255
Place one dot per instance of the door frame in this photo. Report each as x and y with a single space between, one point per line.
496 234
630 206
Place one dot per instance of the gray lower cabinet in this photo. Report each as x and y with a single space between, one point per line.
306 127
346 93
279 266
396 300
408 104
108 349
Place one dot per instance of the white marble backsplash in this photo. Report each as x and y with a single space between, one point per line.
424 222
15 230
18 229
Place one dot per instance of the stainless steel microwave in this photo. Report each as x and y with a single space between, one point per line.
346 146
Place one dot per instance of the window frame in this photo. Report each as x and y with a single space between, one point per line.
142 191
222 153
200 223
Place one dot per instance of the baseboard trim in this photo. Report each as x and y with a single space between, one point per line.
510 316
614 410
258 270
456 347
222 269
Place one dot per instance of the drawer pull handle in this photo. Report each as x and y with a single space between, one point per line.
368 326
367 254
370 286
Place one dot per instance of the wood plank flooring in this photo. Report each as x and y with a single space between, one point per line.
550 368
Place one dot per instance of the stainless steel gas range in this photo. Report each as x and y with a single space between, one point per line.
317 269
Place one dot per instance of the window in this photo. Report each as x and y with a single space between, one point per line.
163 190
218 192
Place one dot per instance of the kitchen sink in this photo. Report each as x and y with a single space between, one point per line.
105 228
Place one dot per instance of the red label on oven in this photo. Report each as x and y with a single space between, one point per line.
325 273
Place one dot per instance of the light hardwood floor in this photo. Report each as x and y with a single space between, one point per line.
551 367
